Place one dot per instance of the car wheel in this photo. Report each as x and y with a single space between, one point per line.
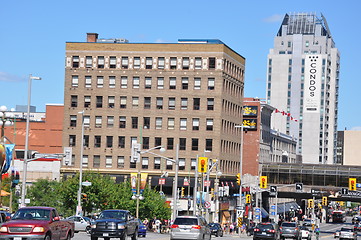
135 235
47 237
93 238
106 238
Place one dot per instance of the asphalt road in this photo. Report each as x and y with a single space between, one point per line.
327 231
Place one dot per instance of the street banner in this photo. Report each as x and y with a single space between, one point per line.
143 181
133 182
9 148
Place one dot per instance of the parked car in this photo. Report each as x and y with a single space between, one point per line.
336 234
356 219
357 227
266 231
307 222
37 223
289 230
81 224
305 233
113 223
142 229
190 227
216 229
347 233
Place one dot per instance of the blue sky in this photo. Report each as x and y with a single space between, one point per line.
33 36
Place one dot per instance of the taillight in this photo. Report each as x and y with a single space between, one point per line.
271 230
296 229
196 227
280 228
174 226
256 230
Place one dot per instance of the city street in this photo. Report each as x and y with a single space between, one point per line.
327 231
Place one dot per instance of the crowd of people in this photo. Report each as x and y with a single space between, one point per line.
157 225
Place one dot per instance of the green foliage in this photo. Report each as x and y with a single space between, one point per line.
103 193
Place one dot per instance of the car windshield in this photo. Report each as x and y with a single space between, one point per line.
285 224
185 221
112 214
265 226
346 230
34 214
213 224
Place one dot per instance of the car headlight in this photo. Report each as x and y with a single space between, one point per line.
93 226
121 226
3 229
38 229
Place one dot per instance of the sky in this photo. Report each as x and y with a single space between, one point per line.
33 36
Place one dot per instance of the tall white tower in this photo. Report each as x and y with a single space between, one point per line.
302 83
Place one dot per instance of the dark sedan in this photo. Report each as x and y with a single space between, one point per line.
266 231
216 229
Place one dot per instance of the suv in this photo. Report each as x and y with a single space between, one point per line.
290 230
190 227
216 229
266 231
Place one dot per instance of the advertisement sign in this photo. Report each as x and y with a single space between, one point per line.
8 158
250 111
313 81
251 123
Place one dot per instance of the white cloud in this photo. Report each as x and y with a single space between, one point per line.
159 40
6 77
274 18
356 128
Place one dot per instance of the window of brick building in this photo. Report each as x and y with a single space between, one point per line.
122 122
74 101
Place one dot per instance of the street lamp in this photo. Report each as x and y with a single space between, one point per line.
241 162
6 119
25 164
78 208
176 162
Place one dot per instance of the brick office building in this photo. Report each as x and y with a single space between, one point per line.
187 93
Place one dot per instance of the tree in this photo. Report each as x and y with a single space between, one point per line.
102 194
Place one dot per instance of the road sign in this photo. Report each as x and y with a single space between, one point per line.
299 186
239 213
358 185
86 184
207 183
272 191
344 191
239 222
273 211
207 204
161 181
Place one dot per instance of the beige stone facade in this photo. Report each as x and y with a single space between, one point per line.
187 94
351 148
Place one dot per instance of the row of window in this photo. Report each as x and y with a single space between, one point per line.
146 162
110 142
158 122
148 82
147 102
126 62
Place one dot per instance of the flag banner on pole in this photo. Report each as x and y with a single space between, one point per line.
143 181
8 157
133 182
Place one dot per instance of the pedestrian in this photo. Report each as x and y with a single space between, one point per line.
231 228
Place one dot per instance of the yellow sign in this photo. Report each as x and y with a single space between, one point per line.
239 221
263 182
352 184
202 164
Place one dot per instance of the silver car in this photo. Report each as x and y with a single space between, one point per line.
190 227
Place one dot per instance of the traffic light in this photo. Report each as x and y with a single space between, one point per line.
202 164
324 201
84 196
248 198
263 182
352 184
239 179
182 192
311 204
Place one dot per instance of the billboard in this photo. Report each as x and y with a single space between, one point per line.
312 83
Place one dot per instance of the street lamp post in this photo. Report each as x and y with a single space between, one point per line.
25 164
176 162
79 208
